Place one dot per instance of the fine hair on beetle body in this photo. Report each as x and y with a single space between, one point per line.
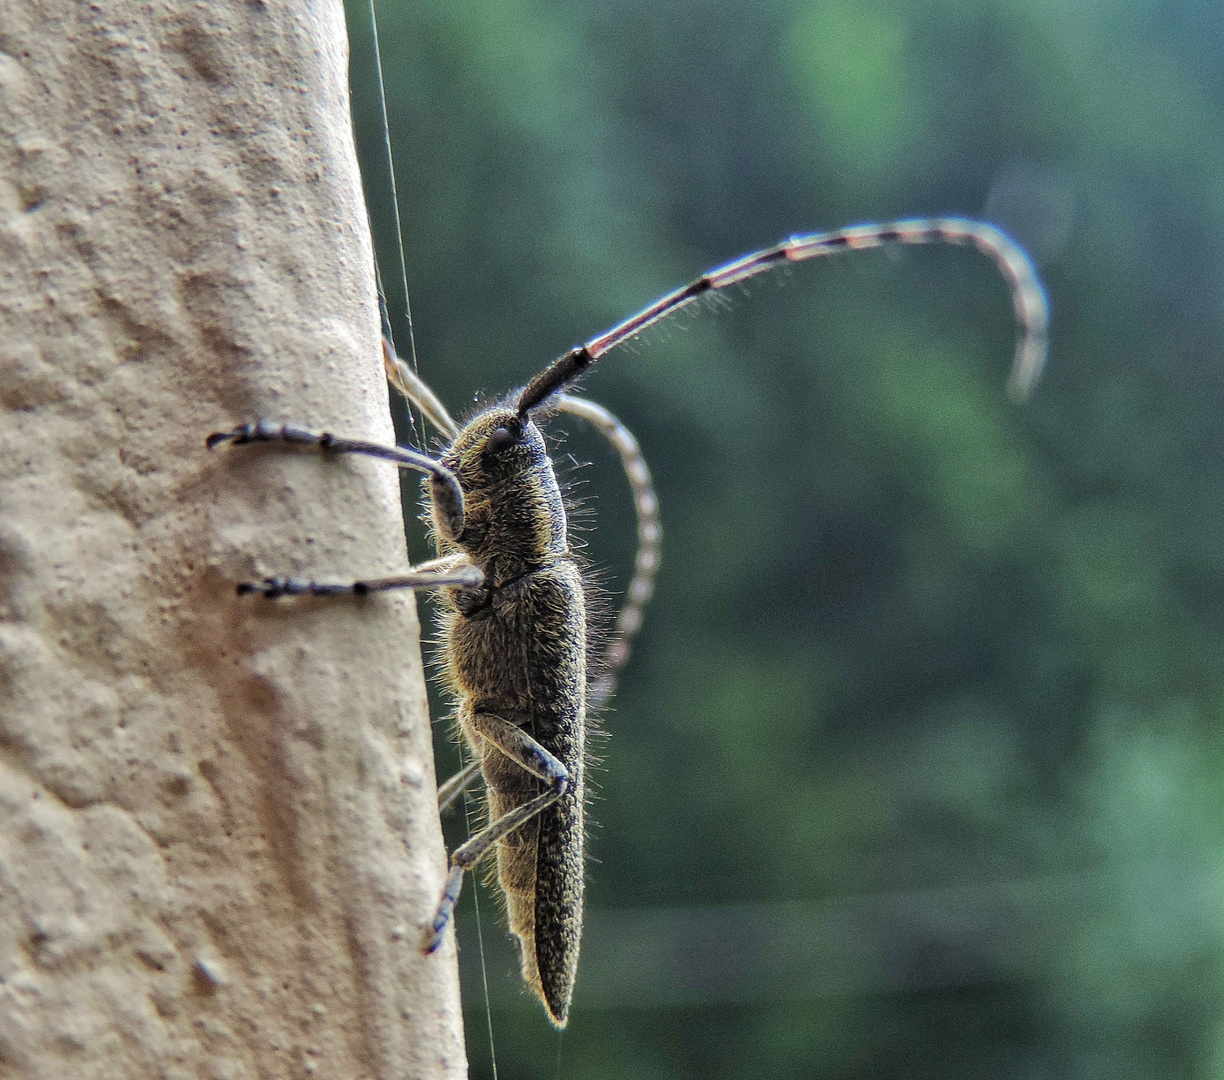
515 608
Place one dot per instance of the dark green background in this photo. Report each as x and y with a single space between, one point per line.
917 769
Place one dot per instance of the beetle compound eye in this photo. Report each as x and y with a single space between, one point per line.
501 438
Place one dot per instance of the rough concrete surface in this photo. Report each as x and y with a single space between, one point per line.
218 844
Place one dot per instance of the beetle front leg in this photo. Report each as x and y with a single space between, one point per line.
444 486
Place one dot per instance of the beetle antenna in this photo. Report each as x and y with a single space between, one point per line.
1028 296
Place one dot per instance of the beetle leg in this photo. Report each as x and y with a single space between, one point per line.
438 573
444 486
521 748
449 791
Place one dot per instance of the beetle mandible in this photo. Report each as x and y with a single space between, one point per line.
515 605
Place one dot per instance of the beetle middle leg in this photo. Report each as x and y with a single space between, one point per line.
451 789
437 573
521 748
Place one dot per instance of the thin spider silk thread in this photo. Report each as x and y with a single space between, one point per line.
399 240
484 971
419 438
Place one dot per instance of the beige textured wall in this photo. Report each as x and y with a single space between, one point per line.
217 835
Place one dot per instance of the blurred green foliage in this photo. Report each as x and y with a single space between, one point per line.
922 742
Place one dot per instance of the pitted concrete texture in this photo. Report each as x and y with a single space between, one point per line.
218 843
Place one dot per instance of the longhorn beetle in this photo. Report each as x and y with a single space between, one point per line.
515 608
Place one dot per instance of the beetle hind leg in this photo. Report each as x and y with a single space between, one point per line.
521 748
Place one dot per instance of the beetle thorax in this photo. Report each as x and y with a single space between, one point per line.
514 513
